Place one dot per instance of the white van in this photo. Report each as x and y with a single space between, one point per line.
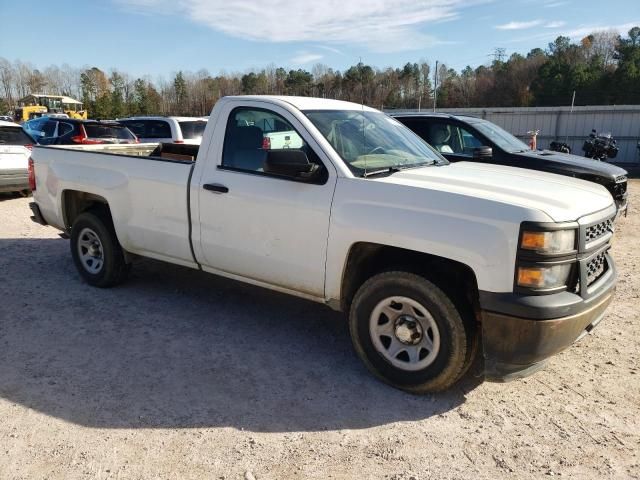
167 129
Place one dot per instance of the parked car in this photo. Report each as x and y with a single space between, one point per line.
167 129
15 148
6 118
430 260
69 131
465 138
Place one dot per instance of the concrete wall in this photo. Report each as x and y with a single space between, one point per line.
559 123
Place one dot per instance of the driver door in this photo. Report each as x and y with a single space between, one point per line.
259 226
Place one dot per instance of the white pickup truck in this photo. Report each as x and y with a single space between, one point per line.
431 261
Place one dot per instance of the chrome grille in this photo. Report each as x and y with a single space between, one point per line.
598 230
596 267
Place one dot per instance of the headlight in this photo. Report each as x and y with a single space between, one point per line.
544 277
552 242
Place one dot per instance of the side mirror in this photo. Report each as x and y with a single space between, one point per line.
482 153
290 163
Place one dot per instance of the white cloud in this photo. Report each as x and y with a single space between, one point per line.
554 4
531 24
579 32
519 25
378 25
583 31
557 24
330 49
306 57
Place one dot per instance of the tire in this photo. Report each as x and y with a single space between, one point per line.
96 252
422 345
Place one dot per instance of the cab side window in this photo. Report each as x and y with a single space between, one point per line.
49 133
64 129
34 127
252 133
468 142
49 128
448 138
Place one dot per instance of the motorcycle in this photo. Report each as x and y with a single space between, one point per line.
600 146
559 147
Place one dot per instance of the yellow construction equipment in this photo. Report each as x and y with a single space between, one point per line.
37 105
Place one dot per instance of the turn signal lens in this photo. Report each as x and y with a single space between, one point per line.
533 240
544 277
557 241
530 277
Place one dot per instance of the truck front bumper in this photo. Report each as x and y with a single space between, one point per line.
519 333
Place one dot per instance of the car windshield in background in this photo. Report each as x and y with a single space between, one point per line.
14 136
192 130
108 132
370 141
501 137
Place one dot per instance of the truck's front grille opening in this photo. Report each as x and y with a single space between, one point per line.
596 268
598 230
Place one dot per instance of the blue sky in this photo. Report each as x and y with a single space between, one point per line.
159 37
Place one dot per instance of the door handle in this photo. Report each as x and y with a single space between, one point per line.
215 187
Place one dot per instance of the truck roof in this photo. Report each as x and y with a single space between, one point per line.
163 117
465 118
308 103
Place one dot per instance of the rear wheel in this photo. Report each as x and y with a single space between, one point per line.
409 333
96 251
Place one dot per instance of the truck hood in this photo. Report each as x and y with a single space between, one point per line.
579 164
559 197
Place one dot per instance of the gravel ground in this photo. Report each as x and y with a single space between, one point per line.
179 374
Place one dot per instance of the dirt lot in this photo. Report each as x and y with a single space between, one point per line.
182 375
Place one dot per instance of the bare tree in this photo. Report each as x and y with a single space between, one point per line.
6 80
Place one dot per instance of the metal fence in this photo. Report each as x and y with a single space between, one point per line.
572 127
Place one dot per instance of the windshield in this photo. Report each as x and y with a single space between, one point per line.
500 137
192 130
370 141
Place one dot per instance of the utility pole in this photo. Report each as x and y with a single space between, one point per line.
435 87
499 54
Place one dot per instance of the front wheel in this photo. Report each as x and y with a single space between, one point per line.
409 333
96 251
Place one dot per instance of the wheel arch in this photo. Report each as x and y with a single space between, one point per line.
75 202
366 259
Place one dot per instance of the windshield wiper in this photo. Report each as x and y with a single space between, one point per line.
421 164
380 171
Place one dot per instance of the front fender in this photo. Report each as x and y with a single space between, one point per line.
479 233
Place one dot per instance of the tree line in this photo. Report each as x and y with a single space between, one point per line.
603 68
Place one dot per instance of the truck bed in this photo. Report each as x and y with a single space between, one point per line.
150 201
162 151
